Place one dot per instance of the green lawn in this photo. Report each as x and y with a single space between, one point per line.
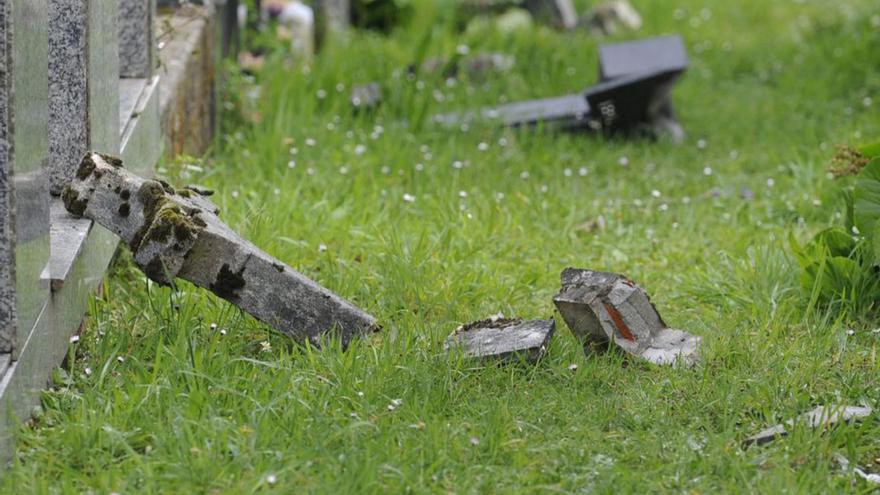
158 401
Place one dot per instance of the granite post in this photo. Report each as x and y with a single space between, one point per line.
83 84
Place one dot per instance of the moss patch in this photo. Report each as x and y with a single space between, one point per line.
73 202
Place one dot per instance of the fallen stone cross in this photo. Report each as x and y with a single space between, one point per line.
631 98
177 233
503 338
600 307
820 417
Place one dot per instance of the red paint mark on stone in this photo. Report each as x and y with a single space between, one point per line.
619 323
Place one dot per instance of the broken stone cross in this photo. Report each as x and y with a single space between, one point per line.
177 233
600 307
631 98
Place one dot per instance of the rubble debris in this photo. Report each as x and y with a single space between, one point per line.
177 233
611 17
560 14
821 416
861 473
366 96
476 66
632 97
503 338
600 307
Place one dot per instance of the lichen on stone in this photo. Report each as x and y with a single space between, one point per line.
73 202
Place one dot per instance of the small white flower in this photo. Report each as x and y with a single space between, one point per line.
771 182
686 200
409 198
655 193
567 172
623 161
234 194
707 171
457 164
360 149
322 248
222 331
340 87
271 479
462 194
310 171
475 441
572 367
265 346
483 146
867 101
311 142
663 207
701 143
544 188
74 339
419 167
385 170
360 394
291 164
343 170
87 371
120 359
276 191
524 175
583 171
462 49
321 94
213 326
502 142
294 151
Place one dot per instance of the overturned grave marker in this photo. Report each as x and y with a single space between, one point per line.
504 338
822 416
632 97
177 233
599 307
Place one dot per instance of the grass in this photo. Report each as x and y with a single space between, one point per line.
155 400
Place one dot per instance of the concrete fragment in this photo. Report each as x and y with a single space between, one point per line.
820 417
611 17
504 338
177 233
600 307
366 96
560 14
861 473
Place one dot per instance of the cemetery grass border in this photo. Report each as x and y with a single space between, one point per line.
173 390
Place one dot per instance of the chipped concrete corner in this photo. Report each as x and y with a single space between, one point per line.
177 233
503 338
600 307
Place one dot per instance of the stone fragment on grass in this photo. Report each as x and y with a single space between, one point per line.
820 417
600 307
366 96
177 233
504 338
611 17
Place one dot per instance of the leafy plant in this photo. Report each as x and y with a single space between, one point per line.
841 265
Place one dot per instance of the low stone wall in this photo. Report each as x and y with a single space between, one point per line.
105 75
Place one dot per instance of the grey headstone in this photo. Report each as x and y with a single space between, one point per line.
177 233
24 202
503 338
334 15
560 13
599 307
136 44
83 83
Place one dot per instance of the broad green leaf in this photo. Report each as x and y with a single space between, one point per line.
837 241
832 277
866 198
875 243
871 150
